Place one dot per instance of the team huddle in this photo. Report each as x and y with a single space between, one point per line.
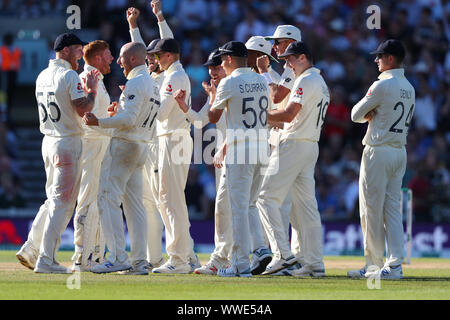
132 156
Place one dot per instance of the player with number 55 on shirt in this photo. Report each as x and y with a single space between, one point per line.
388 107
61 104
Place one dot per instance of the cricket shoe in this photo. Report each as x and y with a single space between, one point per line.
194 263
357 273
55 267
83 267
209 268
287 271
107 267
278 264
231 271
151 266
260 259
27 256
387 273
308 272
168 267
138 268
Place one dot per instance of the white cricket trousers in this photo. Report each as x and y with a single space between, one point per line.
124 184
88 236
175 152
155 224
292 169
380 181
243 182
62 168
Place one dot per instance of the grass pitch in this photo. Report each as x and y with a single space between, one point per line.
425 278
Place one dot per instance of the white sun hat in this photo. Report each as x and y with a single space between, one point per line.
286 32
258 43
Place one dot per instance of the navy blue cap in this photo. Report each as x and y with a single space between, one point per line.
213 60
296 47
166 45
392 47
152 45
233 48
66 40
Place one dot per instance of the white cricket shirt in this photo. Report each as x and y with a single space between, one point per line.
102 102
393 97
56 87
138 107
311 91
170 117
245 96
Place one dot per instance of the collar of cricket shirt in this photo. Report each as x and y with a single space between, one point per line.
88 68
399 72
136 71
175 66
241 71
310 70
60 62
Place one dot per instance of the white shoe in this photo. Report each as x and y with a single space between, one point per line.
151 266
387 272
287 271
108 266
27 256
357 273
278 264
260 259
195 263
82 268
138 268
51 268
308 272
231 271
209 268
170 268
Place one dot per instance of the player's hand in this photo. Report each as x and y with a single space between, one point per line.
219 158
156 6
92 79
112 109
180 98
263 64
370 115
90 119
132 16
210 89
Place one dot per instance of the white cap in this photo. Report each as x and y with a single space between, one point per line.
258 43
286 32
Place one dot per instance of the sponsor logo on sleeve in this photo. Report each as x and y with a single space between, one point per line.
287 80
131 97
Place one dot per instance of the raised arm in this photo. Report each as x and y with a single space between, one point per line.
164 29
132 16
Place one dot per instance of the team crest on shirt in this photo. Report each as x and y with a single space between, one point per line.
79 87
369 93
299 92
169 88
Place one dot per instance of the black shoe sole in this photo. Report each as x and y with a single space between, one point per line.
262 266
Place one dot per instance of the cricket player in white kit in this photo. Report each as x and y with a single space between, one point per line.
61 104
175 152
280 89
221 256
388 107
89 240
246 134
151 186
294 165
137 107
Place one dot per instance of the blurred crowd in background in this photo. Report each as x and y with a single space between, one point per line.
340 41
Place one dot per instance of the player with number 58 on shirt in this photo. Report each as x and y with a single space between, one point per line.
388 107
62 102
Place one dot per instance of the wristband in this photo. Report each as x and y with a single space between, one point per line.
92 91
158 13
268 78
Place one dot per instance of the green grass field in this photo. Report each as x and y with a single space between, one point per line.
425 278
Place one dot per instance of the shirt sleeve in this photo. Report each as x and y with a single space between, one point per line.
222 96
74 86
287 78
129 107
199 119
372 100
169 86
136 36
164 30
